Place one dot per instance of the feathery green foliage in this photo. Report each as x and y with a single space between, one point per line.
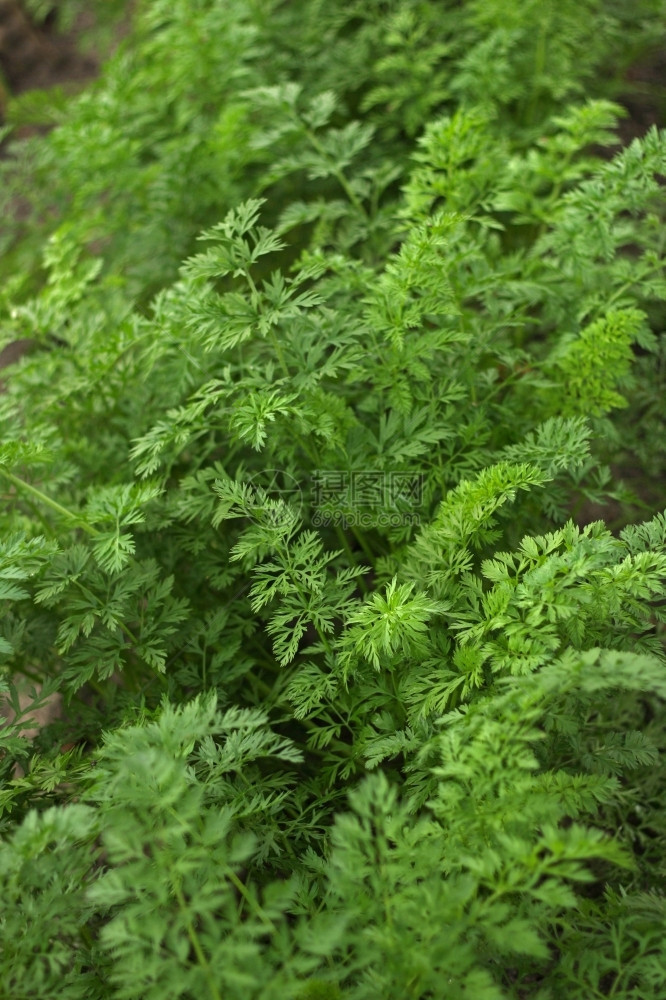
341 316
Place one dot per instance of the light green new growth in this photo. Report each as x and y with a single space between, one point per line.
346 325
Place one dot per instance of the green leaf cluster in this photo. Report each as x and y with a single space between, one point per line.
344 324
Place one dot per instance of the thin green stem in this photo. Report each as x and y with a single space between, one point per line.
277 347
196 945
96 600
337 173
362 542
305 603
249 899
29 674
350 556
21 484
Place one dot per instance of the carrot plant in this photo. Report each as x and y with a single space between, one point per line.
341 319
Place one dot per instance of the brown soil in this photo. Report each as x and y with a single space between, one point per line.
645 97
37 57
33 56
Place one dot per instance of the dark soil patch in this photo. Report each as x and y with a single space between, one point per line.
645 97
34 56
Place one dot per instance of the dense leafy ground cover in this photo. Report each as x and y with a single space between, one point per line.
341 315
